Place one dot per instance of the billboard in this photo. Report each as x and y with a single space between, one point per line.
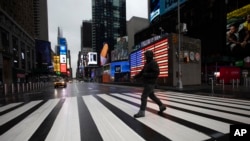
62 41
104 54
43 52
121 50
119 67
160 49
154 9
56 63
92 58
238 27
63 59
63 68
63 50
169 5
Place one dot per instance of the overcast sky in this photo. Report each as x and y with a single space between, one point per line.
69 14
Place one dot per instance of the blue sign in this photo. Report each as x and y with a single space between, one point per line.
62 41
168 5
154 9
63 50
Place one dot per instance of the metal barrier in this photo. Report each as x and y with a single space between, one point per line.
18 88
237 81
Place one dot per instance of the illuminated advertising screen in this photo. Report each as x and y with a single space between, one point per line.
63 50
56 63
238 27
154 9
63 67
43 52
62 41
92 58
63 59
121 50
104 54
118 67
168 5
160 50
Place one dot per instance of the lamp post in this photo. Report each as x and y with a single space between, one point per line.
179 46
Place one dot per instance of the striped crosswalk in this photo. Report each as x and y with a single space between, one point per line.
109 117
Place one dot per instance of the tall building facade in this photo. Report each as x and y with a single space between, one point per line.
41 20
86 34
108 23
17 44
25 18
86 47
63 56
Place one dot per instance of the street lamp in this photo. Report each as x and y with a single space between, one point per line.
179 46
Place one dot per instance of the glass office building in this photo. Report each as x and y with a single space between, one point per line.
109 23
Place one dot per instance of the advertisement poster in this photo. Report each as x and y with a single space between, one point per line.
238 33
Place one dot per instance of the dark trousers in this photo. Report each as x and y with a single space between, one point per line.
148 91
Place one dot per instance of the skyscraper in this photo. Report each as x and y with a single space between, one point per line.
41 19
109 23
86 34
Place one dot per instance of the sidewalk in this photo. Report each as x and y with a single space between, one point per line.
240 92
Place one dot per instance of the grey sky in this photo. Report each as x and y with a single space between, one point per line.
69 14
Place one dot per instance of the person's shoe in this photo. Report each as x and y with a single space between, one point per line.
140 114
162 108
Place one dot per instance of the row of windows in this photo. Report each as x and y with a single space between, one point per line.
20 53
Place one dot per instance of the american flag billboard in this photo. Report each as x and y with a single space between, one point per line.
160 50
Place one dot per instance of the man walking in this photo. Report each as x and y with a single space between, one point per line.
149 74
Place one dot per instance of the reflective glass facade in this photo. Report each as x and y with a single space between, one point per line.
109 22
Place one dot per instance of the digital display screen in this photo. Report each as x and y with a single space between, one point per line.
43 51
168 5
154 9
62 41
160 50
63 59
63 67
237 40
63 50
123 66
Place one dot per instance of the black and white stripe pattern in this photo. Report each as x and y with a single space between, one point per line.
109 117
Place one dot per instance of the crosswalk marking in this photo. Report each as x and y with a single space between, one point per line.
208 101
206 122
9 106
23 130
165 127
221 99
110 127
212 105
110 117
13 114
185 105
66 125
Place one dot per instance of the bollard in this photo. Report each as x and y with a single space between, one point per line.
5 89
237 83
223 84
12 88
233 83
23 88
27 87
18 88
212 83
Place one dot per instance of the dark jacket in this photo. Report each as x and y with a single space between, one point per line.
150 71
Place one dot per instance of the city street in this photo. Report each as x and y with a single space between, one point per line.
94 112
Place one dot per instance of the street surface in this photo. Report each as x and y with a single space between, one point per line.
96 112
